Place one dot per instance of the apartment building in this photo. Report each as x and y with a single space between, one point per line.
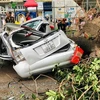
44 6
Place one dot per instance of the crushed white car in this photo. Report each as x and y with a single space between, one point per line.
35 52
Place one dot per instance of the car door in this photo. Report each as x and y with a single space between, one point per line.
5 48
45 46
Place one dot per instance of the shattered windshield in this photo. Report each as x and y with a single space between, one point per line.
33 24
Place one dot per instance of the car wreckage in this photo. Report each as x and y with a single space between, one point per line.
34 52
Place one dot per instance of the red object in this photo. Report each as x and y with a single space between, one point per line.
27 35
86 35
77 55
52 27
28 18
30 3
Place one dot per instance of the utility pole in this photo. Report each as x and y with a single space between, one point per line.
25 7
13 5
64 8
53 8
87 5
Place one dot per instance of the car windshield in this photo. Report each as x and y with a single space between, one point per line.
33 24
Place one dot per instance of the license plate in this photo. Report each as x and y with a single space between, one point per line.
48 46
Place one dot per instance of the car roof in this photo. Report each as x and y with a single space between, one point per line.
37 18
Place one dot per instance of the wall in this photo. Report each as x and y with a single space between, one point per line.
58 7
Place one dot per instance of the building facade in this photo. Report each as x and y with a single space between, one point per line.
5 5
46 7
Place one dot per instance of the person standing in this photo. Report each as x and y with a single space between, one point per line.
21 19
28 16
9 18
63 25
59 24
68 23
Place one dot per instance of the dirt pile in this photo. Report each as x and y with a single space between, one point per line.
92 29
96 21
91 44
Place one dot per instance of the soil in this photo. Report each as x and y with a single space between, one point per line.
12 87
91 43
92 28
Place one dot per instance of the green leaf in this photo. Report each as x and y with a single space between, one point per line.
33 96
22 96
77 68
98 61
86 87
51 93
50 98
95 59
98 88
62 95
68 76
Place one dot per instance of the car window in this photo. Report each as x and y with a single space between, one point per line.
33 24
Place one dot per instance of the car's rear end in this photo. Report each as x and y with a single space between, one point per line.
52 49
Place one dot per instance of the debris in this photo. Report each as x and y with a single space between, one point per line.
12 98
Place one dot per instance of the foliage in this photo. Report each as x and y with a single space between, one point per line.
54 95
13 5
33 96
80 83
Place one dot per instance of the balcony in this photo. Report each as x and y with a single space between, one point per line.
6 1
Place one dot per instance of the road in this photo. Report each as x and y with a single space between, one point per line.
13 87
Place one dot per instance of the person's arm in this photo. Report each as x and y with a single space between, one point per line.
12 20
6 20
